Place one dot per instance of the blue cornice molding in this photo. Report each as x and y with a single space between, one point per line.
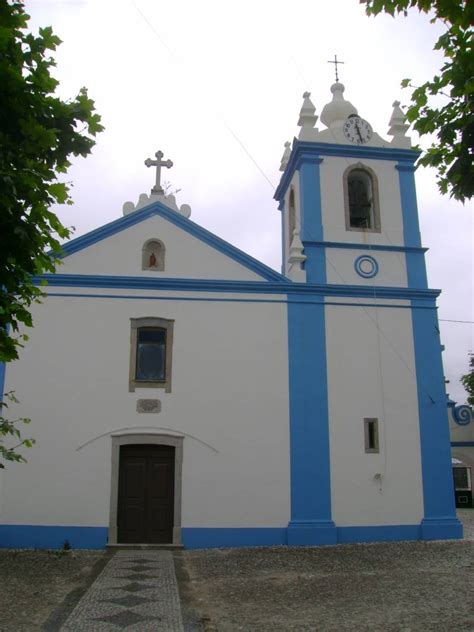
356 246
244 287
309 151
158 209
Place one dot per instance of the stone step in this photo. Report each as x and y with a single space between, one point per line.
144 547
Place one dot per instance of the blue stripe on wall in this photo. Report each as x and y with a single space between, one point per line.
54 537
438 491
51 537
311 521
384 533
2 379
204 538
247 287
283 237
311 219
415 261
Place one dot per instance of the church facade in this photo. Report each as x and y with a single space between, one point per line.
184 393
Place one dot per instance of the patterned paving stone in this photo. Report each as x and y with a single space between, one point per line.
136 591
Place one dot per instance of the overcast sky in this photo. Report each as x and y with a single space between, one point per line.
217 87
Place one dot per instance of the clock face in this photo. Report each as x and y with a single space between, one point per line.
357 130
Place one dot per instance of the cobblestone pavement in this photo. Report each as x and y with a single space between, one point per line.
466 516
136 591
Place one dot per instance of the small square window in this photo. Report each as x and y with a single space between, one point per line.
151 344
371 434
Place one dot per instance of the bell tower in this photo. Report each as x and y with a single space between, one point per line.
364 327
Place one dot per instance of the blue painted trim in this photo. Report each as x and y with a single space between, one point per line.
283 237
442 528
462 444
246 287
311 521
3 370
174 298
228 300
51 537
305 150
311 218
158 209
385 533
438 492
366 259
355 246
462 415
415 261
208 537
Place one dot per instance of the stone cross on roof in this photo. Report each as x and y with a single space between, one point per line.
158 163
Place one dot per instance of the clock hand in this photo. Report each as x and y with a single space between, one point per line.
358 131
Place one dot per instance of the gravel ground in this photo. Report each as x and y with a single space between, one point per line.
388 587
403 587
35 583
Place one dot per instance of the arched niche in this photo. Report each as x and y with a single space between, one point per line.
153 255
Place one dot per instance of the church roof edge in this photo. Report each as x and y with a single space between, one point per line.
157 208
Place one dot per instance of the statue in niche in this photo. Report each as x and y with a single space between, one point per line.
153 255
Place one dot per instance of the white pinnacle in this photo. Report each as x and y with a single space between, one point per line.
399 127
307 119
286 156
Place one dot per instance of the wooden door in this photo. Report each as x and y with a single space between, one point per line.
146 494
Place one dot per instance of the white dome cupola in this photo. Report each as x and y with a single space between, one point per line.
337 110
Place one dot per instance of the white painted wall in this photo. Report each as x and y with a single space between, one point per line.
186 256
229 389
362 383
340 268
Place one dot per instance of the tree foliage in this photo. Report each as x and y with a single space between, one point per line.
444 105
467 381
9 430
38 134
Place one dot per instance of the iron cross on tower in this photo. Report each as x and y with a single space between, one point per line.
335 62
158 163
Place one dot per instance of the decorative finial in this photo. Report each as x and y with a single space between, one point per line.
307 119
158 163
398 127
296 258
335 62
286 156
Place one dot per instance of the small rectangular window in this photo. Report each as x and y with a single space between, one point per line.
462 478
151 348
151 355
371 434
